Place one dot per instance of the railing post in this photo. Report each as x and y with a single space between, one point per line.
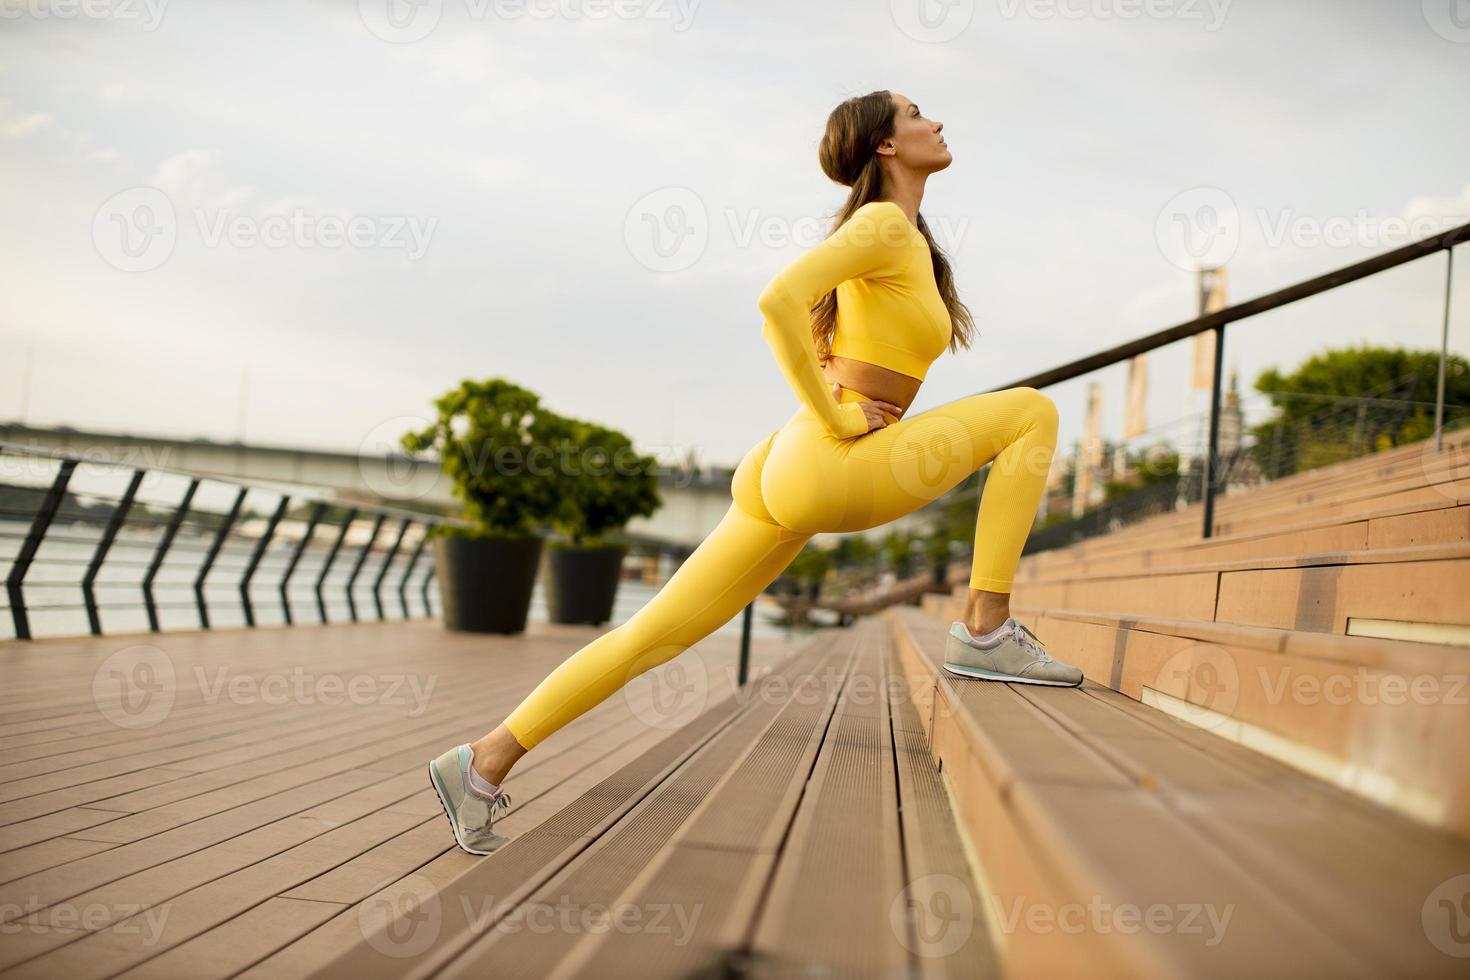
32 544
387 563
413 560
1444 343
321 602
109 534
311 523
745 618
424 592
169 533
213 553
1211 462
357 566
260 546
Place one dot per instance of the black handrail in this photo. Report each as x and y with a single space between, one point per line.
1445 241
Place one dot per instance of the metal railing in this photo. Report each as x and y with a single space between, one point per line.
1442 242
59 505
1336 429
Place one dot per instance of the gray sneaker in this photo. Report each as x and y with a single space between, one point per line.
1016 656
470 814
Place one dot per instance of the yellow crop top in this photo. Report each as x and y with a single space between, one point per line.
889 311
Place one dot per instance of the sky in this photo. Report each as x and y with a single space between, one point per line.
297 223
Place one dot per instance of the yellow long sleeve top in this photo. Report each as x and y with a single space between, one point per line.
889 311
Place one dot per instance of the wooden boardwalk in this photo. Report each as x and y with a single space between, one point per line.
254 803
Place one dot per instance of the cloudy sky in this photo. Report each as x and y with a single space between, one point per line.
298 222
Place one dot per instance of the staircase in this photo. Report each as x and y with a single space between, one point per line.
1268 755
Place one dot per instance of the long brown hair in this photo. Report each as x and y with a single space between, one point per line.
848 156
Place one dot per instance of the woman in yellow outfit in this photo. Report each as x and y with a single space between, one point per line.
872 306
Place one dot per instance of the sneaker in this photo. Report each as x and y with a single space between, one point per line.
470 814
1016 656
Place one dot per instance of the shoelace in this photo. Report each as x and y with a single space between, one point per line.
1031 641
501 802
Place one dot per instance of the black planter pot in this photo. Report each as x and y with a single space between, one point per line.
581 583
485 583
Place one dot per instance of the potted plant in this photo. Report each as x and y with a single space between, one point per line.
493 438
608 484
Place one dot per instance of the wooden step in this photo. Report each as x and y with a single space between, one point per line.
1086 807
1385 719
1323 593
1411 495
1372 476
1399 526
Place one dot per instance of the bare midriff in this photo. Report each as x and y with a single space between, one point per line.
872 381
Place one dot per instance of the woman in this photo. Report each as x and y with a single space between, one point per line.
865 312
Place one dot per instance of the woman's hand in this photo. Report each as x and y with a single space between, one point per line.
878 412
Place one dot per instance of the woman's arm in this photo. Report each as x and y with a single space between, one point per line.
873 243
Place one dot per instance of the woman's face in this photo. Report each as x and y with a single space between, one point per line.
916 142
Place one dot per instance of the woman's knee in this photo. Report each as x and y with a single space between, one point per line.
1039 407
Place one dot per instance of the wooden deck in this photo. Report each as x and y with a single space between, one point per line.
254 803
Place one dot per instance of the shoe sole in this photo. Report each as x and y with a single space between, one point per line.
453 825
980 674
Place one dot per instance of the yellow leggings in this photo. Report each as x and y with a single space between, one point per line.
796 482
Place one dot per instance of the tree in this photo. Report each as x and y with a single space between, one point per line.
1341 403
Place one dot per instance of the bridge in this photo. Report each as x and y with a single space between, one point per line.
693 499
378 475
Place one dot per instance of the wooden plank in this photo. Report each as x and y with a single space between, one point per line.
525 864
316 950
1321 598
235 945
1421 528
623 856
946 906
840 871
